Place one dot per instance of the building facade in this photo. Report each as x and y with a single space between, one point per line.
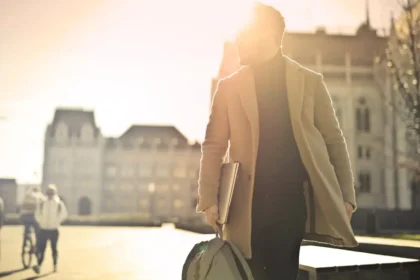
347 63
150 170
8 192
73 160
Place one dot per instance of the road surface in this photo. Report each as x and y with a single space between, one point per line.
104 253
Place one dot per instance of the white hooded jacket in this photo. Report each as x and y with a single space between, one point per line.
51 213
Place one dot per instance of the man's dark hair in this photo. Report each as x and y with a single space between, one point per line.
268 17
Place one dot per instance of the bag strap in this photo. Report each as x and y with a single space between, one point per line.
236 252
242 260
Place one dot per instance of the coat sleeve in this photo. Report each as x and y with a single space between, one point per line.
213 150
327 123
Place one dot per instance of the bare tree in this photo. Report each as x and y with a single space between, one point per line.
402 59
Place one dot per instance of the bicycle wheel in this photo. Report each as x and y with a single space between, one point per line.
27 252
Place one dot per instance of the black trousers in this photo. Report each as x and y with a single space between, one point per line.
278 226
44 236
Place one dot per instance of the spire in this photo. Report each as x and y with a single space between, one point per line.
392 24
367 14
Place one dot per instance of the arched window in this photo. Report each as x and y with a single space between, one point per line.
85 206
61 132
362 116
86 133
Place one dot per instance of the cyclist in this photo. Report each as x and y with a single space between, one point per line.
51 213
31 202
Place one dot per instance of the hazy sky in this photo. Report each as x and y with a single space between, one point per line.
131 61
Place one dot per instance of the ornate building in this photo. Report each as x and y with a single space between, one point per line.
151 170
73 160
8 192
347 63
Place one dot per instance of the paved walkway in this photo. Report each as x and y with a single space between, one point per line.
104 253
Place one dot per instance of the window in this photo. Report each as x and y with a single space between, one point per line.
145 171
176 187
86 133
127 187
363 152
180 172
127 171
365 182
111 171
161 203
178 204
144 203
368 154
163 188
174 141
360 151
163 171
151 187
193 173
362 116
143 187
61 132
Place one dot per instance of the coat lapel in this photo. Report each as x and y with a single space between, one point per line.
295 90
249 102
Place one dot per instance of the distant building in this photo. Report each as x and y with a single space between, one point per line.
148 169
73 160
151 170
8 190
347 63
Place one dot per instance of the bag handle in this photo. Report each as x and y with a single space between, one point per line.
238 254
242 260
219 231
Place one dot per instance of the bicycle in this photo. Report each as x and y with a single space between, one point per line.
28 248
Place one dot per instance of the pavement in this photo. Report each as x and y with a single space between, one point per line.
105 253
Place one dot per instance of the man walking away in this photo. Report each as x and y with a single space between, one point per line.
51 214
275 117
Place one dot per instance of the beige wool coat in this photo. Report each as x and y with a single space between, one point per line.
234 127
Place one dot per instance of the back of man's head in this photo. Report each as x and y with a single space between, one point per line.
270 19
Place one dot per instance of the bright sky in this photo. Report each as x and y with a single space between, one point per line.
131 61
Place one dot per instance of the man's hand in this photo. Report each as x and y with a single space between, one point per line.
349 210
212 215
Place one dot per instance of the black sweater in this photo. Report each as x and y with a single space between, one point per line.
279 168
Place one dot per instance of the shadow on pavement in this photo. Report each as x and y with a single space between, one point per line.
7 273
38 276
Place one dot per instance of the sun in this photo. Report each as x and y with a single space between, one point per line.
232 16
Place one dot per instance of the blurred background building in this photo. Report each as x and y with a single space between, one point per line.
73 159
148 169
348 64
8 192
151 170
